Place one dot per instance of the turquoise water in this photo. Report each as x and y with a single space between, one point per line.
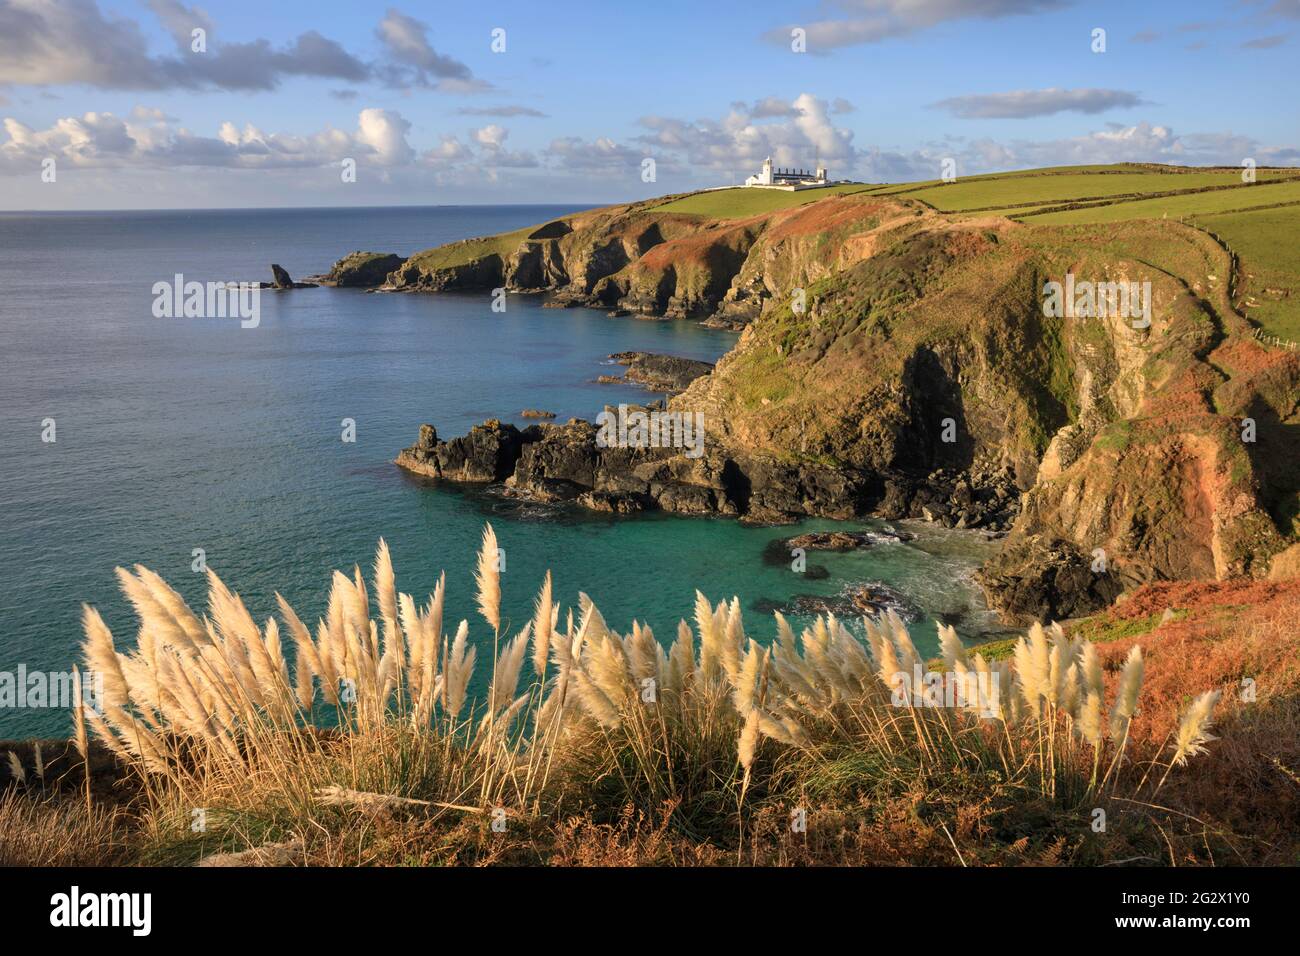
176 434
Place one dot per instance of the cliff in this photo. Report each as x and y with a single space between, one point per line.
633 258
898 362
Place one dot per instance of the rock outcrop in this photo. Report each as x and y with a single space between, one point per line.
362 270
282 280
552 462
662 373
840 540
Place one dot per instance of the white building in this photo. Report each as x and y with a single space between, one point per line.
772 177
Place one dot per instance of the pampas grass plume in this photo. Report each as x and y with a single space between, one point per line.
488 579
1193 729
1126 699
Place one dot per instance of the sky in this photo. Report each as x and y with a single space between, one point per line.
144 104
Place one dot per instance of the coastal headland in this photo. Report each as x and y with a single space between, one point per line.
899 359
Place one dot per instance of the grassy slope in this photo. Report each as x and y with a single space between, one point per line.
997 193
1108 194
1261 237
739 203
1173 207
461 253
1266 241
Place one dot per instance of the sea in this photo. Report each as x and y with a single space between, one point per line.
128 438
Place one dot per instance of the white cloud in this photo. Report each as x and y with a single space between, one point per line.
417 62
1022 104
601 155
448 152
743 138
1142 142
54 42
385 131
491 135
151 140
872 21
688 154
794 132
500 111
493 154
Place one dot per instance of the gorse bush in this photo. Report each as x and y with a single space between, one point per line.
375 712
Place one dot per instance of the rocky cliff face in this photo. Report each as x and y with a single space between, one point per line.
898 362
664 265
553 462
364 270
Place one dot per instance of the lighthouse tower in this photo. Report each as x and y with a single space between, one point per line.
764 177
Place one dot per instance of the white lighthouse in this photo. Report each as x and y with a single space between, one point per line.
764 177
775 177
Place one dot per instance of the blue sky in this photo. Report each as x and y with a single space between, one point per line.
283 94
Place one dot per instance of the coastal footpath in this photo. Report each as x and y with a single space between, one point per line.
899 362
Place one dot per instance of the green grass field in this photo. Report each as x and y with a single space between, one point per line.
1002 195
1266 241
1171 207
894 189
740 202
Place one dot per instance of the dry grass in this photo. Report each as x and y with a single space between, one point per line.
367 750
1247 786
52 830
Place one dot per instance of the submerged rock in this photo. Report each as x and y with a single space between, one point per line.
552 462
869 598
983 497
845 540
